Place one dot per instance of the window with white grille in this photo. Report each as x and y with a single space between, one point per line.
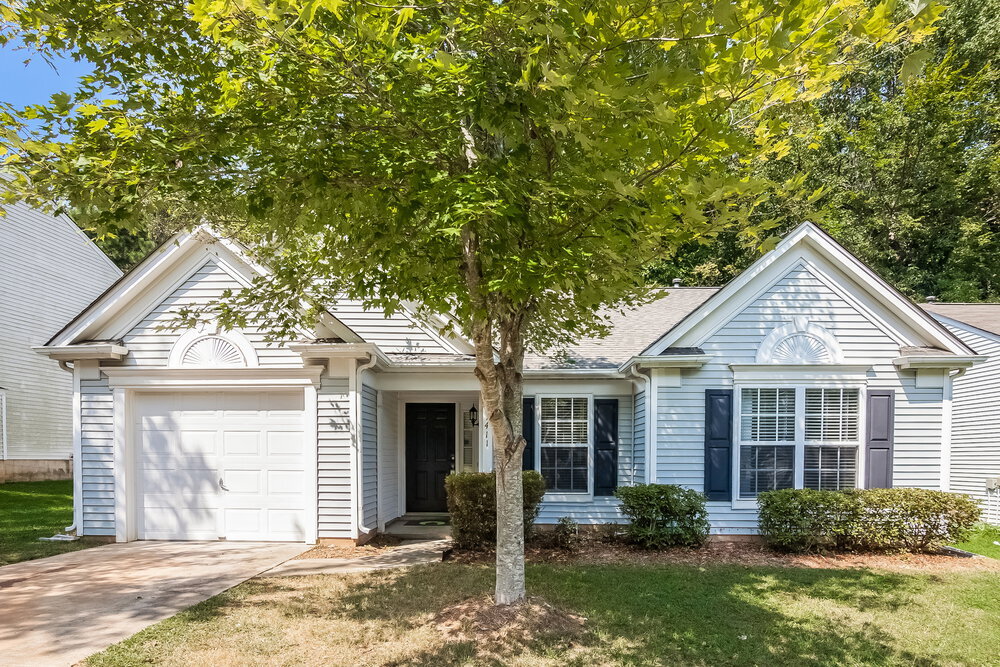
798 437
564 443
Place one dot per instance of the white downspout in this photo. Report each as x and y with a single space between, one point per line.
356 390
77 446
649 420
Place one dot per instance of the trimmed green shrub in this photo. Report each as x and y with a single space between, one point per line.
802 520
912 519
566 534
472 504
664 515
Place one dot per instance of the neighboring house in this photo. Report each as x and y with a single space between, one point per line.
49 272
806 371
975 440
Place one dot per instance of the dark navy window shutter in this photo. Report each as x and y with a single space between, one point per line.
528 430
605 446
718 443
878 438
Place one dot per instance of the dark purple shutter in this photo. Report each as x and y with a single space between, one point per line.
605 446
878 439
528 430
718 443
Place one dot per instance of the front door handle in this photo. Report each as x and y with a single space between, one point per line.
222 486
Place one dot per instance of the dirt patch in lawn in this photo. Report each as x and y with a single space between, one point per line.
595 551
478 619
378 545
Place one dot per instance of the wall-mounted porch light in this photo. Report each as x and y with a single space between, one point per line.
474 416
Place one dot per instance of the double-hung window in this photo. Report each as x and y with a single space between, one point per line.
798 437
564 445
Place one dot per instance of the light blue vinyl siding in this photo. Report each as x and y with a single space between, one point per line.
680 419
334 465
97 448
150 341
639 438
603 509
369 455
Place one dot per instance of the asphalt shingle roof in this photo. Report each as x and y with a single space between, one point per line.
985 316
631 332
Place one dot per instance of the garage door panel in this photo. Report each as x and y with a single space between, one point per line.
285 443
175 523
241 443
253 442
285 482
179 481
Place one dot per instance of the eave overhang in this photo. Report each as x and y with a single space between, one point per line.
937 361
666 361
81 352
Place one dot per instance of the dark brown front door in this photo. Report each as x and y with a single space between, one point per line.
430 455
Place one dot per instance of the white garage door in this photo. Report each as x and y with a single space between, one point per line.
223 464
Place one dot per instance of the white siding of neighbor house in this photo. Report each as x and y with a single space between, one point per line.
49 272
975 440
602 509
680 419
97 453
150 341
369 456
388 456
334 465
398 333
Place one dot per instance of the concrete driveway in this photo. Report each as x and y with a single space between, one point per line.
59 610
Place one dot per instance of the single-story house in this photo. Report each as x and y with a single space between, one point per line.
49 272
808 370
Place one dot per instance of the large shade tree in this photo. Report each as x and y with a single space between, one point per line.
511 163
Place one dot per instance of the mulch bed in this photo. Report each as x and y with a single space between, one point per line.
480 620
746 554
378 545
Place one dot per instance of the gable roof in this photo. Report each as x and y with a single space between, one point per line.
153 278
983 316
807 237
631 331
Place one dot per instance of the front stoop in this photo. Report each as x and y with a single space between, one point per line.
404 530
415 552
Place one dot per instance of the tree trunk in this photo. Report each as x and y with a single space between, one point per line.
510 502
501 391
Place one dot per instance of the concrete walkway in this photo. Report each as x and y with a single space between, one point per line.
415 552
59 610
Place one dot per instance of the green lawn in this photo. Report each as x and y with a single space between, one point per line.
985 541
685 615
29 510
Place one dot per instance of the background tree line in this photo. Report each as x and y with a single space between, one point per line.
904 167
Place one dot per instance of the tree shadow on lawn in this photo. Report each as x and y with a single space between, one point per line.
716 616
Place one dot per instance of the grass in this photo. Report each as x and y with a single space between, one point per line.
985 540
686 615
29 510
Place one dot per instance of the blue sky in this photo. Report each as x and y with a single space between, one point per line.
35 82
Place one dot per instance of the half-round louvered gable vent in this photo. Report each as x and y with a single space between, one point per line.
212 352
801 349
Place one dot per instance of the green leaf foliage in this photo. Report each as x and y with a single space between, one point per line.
906 150
550 149
664 515
917 520
472 505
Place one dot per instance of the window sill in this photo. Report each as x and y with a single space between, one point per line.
564 497
744 504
